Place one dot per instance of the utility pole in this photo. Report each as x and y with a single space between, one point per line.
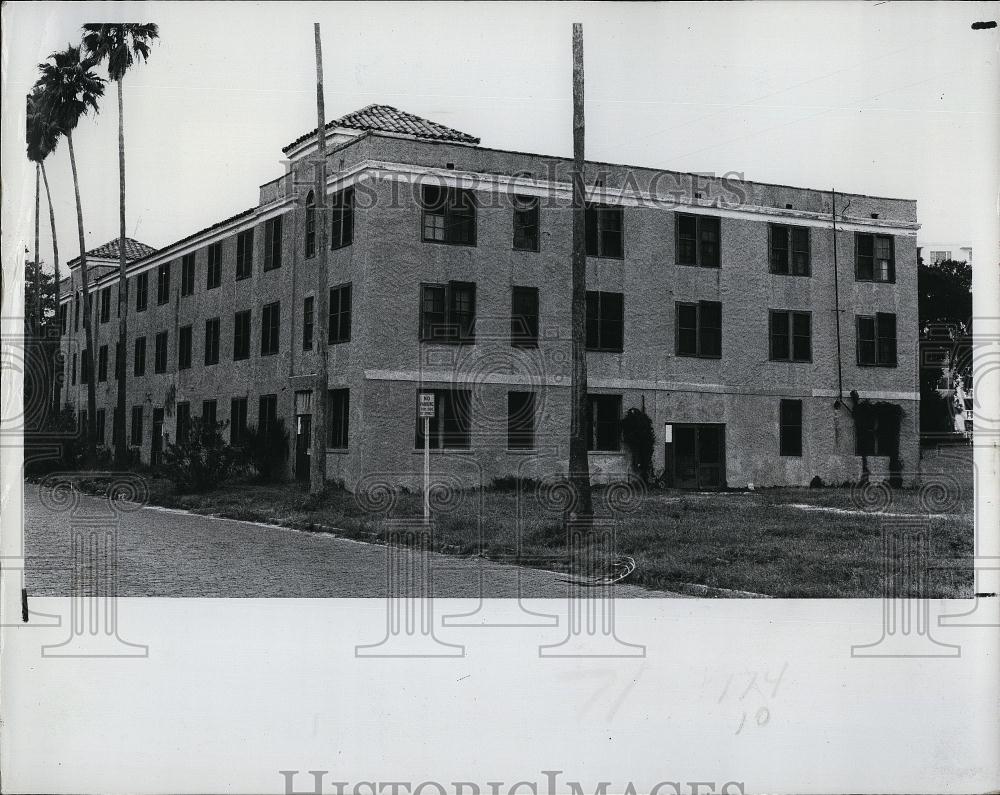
317 468
579 465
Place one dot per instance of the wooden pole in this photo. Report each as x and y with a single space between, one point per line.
579 465
317 468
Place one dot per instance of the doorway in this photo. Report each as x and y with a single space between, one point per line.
156 448
303 445
698 456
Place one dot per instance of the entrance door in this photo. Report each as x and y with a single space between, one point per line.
699 456
303 439
156 450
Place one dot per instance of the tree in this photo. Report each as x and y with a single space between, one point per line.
69 90
42 139
579 464
944 309
120 44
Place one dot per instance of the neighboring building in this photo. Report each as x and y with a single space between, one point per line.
933 253
712 304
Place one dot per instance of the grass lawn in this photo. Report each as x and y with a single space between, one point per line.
759 541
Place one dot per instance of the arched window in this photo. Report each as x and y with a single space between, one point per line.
310 225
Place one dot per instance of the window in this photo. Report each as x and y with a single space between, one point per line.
237 421
699 329
184 338
163 283
339 416
241 335
877 339
212 341
790 427
73 373
160 353
451 423
63 317
76 313
183 421
119 361
342 213
605 321
85 369
101 426
604 422
874 258
102 363
789 252
209 412
136 430
449 215
307 323
605 231
244 254
524 317
698 240
139 357
213 273
448 312
937 257
105 305
117 428
310 242
526 214
141 292
272 243
520 420
270 325
875 436
790 336
187 274
267 412
339 329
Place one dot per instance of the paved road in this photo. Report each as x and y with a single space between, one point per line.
170 553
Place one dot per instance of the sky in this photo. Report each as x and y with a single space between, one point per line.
885 98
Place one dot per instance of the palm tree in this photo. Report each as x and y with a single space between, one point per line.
43 137
120 44
69 90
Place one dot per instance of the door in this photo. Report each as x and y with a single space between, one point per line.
303 437
156 450
699 456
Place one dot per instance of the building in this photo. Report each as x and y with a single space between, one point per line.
713 305
933 253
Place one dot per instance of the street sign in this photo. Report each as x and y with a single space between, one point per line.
426 404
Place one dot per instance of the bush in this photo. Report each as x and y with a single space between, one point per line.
202 460
266 449
639 437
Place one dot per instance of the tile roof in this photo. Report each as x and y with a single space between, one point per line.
385 118
133 250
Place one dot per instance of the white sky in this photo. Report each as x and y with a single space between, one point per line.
894 99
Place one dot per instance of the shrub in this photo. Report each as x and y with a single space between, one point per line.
639 437
266 449
200 461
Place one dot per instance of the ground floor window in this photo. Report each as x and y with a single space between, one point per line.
450 428
267 412
136 426
237 421
790 427
340 411
520 420
100 426
208 414
604 422
183 422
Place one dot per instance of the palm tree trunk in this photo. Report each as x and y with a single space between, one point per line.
317 469
56 383
37 277
88 325
579 465
119 422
